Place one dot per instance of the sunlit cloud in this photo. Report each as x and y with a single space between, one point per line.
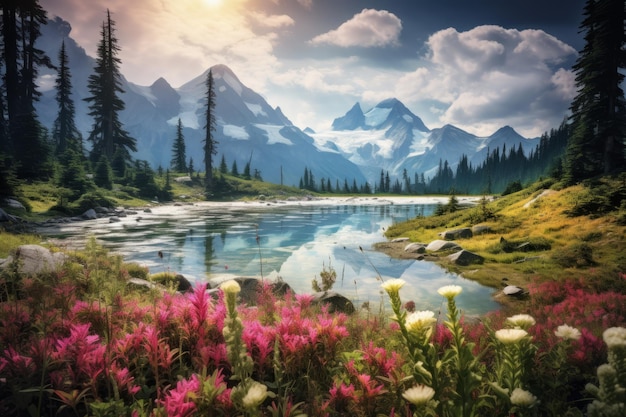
369 28
490 76
274 21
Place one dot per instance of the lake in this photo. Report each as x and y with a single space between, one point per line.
292 241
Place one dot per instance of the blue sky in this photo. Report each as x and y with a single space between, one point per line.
478 65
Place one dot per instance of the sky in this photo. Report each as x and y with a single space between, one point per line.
476 64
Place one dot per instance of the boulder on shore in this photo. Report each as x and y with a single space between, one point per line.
35 259
415 248
335 302
437 245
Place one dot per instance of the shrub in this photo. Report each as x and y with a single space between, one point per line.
575 255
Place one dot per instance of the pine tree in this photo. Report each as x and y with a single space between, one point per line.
210 144
105 85
25 137
599 109
72 174
64 133
234 170
223 166
103 174
179 157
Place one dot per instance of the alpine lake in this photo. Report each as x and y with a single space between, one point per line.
293 241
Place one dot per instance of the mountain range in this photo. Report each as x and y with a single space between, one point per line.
356 147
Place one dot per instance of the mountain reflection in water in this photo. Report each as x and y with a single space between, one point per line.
293 242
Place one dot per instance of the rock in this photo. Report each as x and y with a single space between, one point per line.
11 202
464 233
35 259
400 239
183 284
513 291
336 302
114 219
481 229
90 215
143 283
251 289
437 245
6 217
465 257
415 248
147 210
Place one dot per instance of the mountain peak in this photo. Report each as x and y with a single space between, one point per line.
352 120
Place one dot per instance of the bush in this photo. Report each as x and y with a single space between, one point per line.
576 255
90 200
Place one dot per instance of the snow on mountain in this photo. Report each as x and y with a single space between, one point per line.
359 145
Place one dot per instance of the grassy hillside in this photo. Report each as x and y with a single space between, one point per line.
543 232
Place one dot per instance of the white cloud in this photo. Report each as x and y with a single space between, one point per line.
273 21
369 28
490 76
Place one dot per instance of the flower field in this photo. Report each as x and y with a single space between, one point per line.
79 342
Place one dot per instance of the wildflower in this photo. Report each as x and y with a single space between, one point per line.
523 398
567 332
450 291
419 394
230 287
510 336
614 337
523 321
420 320
393 285
257 393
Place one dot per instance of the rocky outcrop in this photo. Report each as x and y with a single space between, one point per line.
415 248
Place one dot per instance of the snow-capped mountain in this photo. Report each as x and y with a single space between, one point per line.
390 137
248 128
357 146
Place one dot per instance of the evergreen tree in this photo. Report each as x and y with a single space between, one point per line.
64 133
246 171
72 174
108 135
599 109
223 166
210 144
179 157
24 136
191 167
103 174
234 170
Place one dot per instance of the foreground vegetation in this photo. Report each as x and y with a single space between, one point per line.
79 341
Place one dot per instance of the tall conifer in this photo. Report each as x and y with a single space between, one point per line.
64 133
179 158
210 144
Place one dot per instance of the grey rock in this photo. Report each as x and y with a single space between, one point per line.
11 202
415 248
335 302
35 259
437 245
464 233
513 291
465 257
481 229
400 239
114 219
90 215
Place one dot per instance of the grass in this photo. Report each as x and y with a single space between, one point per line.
555 237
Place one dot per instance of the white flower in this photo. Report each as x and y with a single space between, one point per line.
419 320
450 291
230 287
510 336
614 337
523 398
523 321
393 285
419 394
567 332
255 395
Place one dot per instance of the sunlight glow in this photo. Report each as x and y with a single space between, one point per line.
213 3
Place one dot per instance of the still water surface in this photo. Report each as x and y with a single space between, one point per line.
291 242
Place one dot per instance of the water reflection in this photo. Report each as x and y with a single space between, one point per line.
291 243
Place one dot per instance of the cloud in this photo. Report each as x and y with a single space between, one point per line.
273 21
489 76
369 28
